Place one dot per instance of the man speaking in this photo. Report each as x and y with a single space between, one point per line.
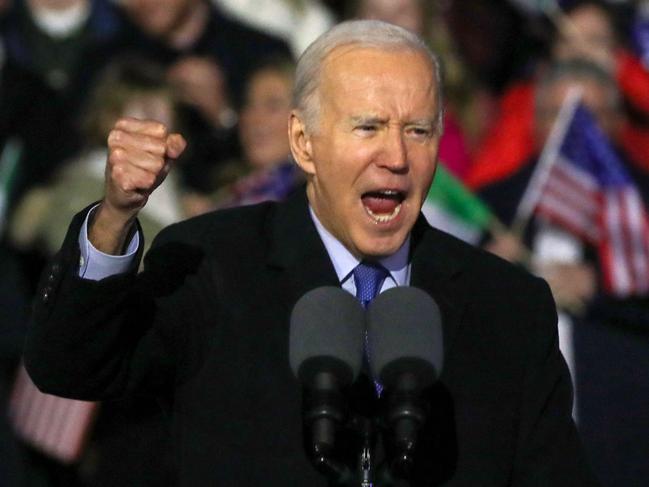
205 326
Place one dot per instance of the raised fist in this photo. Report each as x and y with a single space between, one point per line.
139 156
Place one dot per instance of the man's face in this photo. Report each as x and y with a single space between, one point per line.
158 18
371 158
262 125
404 13
587 33
595 96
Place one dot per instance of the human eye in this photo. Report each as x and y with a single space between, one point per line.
366 129
420 131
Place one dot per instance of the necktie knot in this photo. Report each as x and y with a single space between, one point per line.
368 278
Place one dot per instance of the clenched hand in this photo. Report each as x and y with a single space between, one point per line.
140 153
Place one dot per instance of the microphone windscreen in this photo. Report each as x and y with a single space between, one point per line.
327 326
405 329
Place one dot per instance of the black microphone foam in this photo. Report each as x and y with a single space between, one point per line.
405 335
327 329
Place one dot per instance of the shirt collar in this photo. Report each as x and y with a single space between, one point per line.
344 262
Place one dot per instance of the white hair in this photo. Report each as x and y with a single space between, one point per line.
361 33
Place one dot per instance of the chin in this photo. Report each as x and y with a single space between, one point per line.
381 246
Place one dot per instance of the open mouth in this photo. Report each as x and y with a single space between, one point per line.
383 205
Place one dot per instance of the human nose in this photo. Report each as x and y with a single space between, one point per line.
395 156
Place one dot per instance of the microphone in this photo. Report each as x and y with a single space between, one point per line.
326 353
406 354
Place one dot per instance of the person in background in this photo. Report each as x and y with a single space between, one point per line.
54 50
603 338
129 87
128 443
267 171
207 56
299 22
600 96
584 30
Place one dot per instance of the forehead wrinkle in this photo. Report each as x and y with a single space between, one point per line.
361 85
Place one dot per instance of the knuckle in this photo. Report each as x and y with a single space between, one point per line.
117 155
159 129
117 172
115 136
122 122
149 180
158 164
158 147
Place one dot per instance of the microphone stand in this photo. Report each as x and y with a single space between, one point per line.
365 458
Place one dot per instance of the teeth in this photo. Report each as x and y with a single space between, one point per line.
383 218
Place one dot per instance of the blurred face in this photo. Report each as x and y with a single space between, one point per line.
262 127
404 13
371 159
587 33
158 18
595 96
151 107
51 4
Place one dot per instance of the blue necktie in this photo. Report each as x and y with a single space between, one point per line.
368 279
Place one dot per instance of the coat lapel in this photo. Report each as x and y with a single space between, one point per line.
436 268
296 248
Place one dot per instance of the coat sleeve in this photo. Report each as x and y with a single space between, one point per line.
549 451
94 340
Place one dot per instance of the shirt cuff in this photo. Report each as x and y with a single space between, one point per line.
94 264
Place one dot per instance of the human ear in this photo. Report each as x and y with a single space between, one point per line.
300 142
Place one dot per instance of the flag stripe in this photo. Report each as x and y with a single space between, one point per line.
579 177
54 425
558 211
637 238
561 192
568 180
619 271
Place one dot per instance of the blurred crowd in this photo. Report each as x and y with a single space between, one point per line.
221 73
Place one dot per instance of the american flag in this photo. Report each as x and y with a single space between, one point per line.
589 192
55 426
640 33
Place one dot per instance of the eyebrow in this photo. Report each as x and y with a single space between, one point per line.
423 121
367 119
373 119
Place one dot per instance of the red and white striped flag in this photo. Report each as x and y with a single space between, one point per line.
56 426
589 192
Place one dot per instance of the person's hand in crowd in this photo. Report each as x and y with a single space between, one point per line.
573 285
508 246
199 82
139 156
